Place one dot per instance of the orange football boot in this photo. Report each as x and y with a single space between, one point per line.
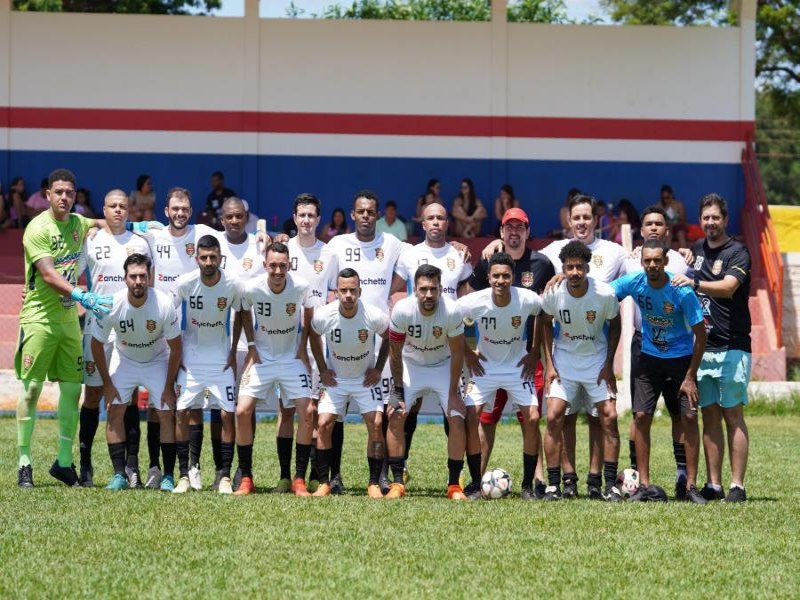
374 491
456 492
299 487
246 487
323 490
396 491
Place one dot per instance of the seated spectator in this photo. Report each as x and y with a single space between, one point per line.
676 215
218 194
16 202
431 195
134 213
391 223
83 204
37 203
468 211
4 209
627 213
143 197
336 226
605 220
505 200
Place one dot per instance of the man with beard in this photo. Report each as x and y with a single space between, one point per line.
147 352
722 281
103 254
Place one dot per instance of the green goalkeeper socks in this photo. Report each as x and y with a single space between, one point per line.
68 413
26 418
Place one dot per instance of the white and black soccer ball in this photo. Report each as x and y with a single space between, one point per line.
628 482
495 483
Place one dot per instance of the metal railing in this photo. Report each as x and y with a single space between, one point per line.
759 233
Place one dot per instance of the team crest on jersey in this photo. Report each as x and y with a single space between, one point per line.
451 264
222 303
379 253
291 307
247 264
151 325
129 250
527 279
597 260
89 364
437 331
75 235
190 249
318 266
669 308
27 361
591 315
363 335
516 321
716 268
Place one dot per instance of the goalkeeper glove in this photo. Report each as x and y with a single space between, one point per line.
98 305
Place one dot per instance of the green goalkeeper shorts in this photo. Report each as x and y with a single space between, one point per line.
49 351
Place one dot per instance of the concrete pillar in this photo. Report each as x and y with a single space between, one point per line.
251 104
499 98
747 59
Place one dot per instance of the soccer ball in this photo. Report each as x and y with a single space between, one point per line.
628 482
495 483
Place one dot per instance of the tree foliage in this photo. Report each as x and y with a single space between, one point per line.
530 11
160 7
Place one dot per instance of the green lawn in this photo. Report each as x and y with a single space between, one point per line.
58 542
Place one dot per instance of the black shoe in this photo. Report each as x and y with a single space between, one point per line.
337 486
86 478
594 491
736 494
65 475
570 490
539 488
641 494
552 493
710 493
680 487
472 491
25 477
527 493
612 494
217 478
694 496
237 480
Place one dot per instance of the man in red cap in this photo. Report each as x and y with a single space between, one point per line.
532 270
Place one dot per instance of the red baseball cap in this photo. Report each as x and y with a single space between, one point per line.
515 213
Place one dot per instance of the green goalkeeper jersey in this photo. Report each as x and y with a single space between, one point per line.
63 242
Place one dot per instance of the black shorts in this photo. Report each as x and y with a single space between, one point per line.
652 377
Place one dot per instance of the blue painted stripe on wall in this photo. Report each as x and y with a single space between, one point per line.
270 183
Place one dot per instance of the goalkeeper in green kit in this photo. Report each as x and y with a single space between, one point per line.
49 344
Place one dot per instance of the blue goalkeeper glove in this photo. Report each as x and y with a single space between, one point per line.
100 306
143 226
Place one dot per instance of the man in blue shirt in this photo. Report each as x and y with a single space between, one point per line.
669 361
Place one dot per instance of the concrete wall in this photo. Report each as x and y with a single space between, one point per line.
284 106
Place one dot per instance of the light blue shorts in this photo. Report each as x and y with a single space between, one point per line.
723 377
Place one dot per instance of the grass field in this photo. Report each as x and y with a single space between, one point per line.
59 542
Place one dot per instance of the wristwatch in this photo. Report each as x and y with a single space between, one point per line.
696 283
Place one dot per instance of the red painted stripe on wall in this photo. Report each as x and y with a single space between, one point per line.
369 124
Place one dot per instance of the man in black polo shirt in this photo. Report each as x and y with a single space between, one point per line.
722 282
216 198
532 270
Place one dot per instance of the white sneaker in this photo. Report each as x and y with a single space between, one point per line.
183 486
194 478
225 486
153 478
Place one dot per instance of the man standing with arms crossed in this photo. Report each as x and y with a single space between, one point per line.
102 257
49 334
722 281
147 352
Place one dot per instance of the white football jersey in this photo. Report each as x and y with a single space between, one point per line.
205 316
242 261
607 258
350 341
501 329
580 344
633 264
451 262
374 262
174 256
426 337
141 333
307 262
276 317
102 259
